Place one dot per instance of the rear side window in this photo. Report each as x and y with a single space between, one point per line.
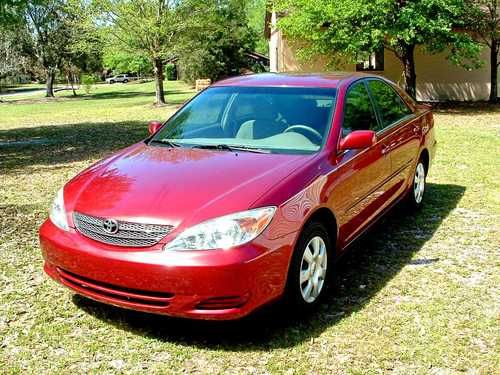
358 110
390 105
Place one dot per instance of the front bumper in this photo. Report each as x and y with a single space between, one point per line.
214 284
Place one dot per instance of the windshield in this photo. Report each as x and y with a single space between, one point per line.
267 119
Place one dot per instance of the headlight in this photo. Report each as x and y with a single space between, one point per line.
224 232
58 213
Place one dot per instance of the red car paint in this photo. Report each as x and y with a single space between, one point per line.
182 187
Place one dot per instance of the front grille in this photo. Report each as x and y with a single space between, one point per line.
128 234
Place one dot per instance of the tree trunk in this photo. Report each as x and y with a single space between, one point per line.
408 60
494 71
69 80
50 84
158 69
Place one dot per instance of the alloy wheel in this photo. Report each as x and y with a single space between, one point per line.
419 183
313 269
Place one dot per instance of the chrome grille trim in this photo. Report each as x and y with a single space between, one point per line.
129 234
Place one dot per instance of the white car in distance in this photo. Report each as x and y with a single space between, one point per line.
123 78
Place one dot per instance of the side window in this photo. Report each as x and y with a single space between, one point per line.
391 107
358 110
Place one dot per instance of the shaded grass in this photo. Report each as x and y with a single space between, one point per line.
419 293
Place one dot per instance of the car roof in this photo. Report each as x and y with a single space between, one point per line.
326 80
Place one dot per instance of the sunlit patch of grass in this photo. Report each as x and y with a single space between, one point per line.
419 294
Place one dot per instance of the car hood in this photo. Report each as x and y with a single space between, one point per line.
158 184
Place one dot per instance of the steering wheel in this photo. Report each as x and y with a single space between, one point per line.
308 129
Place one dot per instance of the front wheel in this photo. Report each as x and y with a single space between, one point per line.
308 273
416 194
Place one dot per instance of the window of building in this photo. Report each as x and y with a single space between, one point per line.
371 62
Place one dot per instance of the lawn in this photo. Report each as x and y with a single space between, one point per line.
419 294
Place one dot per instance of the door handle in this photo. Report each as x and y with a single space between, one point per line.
385 149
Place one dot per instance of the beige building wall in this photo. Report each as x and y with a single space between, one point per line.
437 78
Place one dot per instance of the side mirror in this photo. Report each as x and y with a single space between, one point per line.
153 126
358 139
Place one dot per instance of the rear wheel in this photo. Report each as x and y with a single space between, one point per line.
308 273
416 194
125 80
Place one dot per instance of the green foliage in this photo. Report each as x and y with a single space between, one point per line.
171 72
11 11
351 26
88 80
11 59
256 10
215 40
482 17
144 29
120 61
57 36
86 45
343 29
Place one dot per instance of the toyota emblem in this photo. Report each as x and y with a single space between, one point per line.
110 226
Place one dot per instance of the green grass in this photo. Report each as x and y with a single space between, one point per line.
419 294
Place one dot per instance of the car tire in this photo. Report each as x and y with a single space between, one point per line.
415 197
111 82
125 80
309 269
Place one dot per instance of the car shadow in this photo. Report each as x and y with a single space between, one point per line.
372 262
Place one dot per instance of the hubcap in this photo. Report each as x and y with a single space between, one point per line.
419 183
313 269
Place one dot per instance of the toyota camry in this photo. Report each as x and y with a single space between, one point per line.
246 195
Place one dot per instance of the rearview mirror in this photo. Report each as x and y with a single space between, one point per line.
358 139
153 126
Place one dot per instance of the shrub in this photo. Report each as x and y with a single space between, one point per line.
171 72
88 80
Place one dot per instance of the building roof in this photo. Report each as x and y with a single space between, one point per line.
290 79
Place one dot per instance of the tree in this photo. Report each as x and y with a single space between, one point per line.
256 20
85 48
49 32
120 61
483 19
215 39
11 11
347 28
145 28
11 60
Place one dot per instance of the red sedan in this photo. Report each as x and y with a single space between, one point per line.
246 195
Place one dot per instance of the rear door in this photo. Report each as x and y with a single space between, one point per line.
360 191
400 131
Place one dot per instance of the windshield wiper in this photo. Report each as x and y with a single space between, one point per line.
225 147
166 142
